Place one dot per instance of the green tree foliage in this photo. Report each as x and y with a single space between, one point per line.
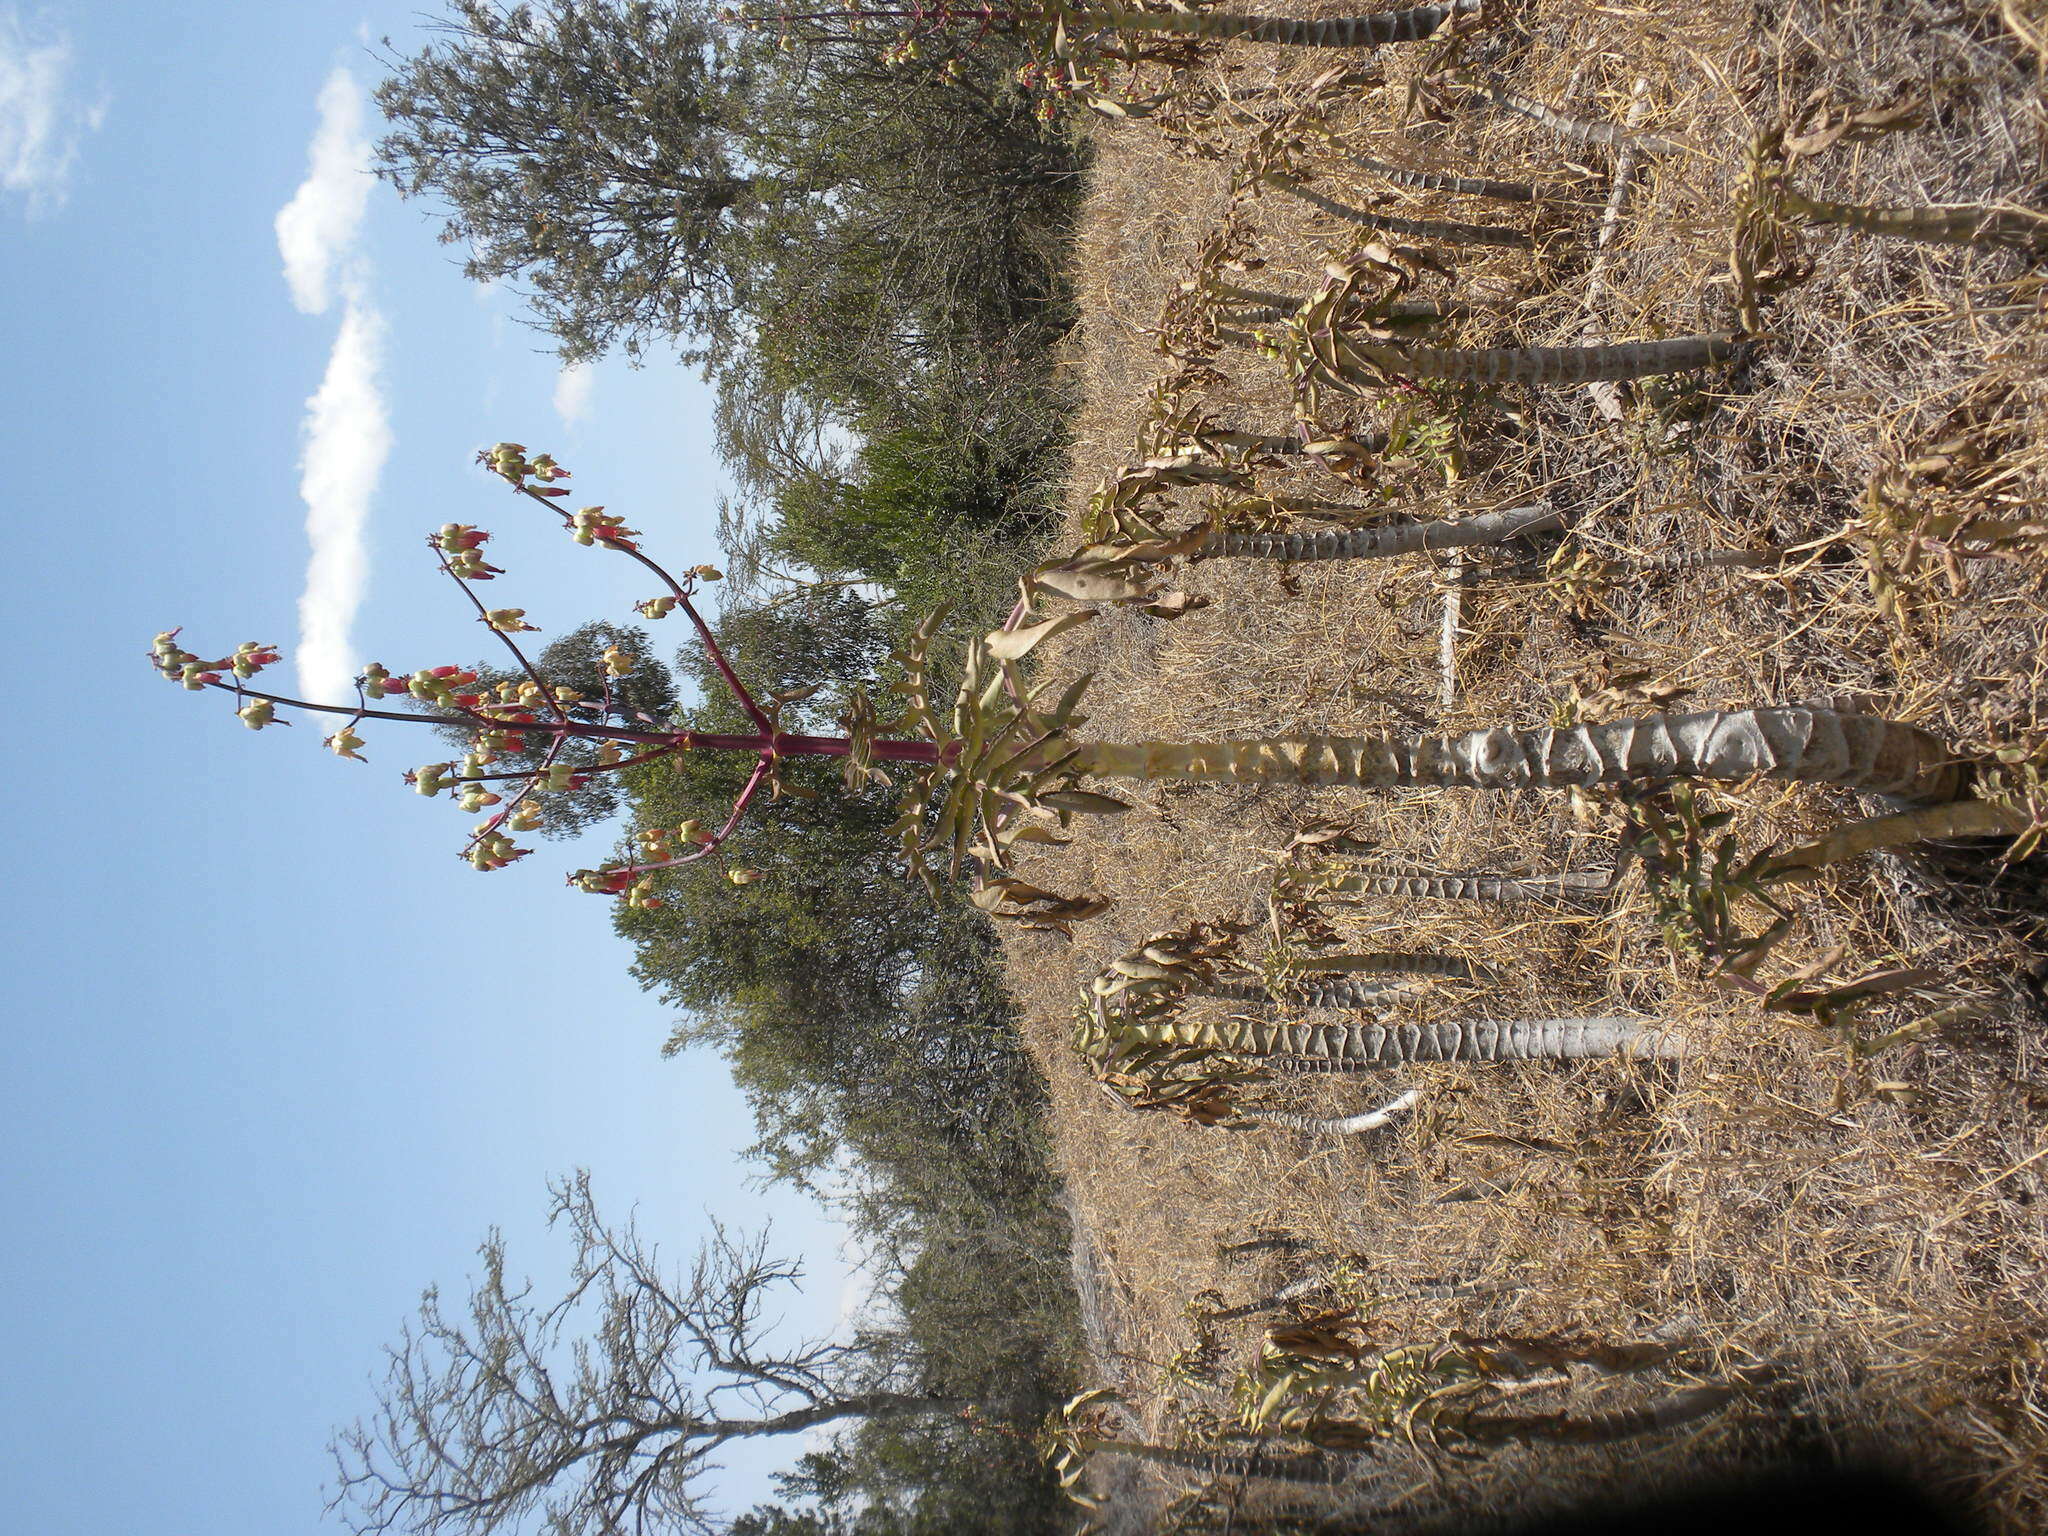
583 148
898 384
650 175
870 1030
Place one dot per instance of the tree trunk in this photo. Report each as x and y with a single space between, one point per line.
1407 26
1388 540
1820 746
871 1405
1368 1047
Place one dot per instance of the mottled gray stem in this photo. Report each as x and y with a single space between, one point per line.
1398 1290
1797 743
1432 885
1686 561
1310 1467
1343 981
1961 818
1368 1047
1535 365
1580 130
1954 224
1468 186
1347 992
1269 1242
1419 229
1404 26
1388 539
1600 1428
1331 1125
1256 306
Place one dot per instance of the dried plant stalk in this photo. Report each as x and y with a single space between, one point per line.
1961 818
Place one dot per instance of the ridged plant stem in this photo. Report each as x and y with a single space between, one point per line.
1536 365
1808 745
1467 186
1331 1125
1601 1428
1369 1047
1434 885
1309 1467
1404 26
1960 224
1445 230
1388 540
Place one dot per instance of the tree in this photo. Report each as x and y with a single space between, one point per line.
598 1411
582 147
652 176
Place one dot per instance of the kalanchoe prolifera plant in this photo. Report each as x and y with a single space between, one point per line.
1003 767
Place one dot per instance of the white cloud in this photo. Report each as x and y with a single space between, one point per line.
348 438
347 429
319 227
40 126
572 393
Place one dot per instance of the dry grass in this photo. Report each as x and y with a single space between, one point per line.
1875 1227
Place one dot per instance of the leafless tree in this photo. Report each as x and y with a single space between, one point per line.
602 1410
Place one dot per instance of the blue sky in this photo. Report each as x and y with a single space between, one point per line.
276 1059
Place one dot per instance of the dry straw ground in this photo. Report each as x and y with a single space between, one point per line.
1873 1226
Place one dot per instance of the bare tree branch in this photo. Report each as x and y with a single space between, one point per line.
599 1411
